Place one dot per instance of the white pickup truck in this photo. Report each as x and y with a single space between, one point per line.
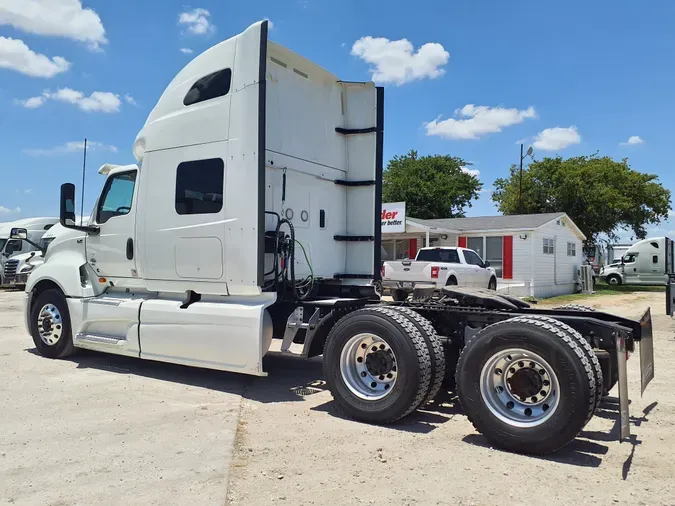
437 267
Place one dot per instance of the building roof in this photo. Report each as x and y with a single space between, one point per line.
489 223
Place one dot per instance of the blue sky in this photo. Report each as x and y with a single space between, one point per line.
471 79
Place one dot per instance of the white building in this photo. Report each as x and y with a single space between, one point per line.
535 255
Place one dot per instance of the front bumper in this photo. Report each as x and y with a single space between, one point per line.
16 279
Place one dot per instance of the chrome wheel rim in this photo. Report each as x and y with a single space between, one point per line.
613 280
519 387
368 367
50 324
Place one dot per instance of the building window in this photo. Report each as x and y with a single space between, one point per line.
208 87
494 253
199 186
476 244
571 249
549 247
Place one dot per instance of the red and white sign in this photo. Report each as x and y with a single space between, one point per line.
393 218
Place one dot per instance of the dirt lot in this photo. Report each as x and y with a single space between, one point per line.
294 448
102 429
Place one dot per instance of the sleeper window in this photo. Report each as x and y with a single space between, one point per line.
199 186
208 87
117 196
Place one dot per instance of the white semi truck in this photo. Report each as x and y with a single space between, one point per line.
10 248
253 214
643 263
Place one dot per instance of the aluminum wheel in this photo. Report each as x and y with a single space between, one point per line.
50 324
519 387
368 367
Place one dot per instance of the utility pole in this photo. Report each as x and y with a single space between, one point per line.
520 196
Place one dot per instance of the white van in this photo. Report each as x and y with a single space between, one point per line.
10 248
644 263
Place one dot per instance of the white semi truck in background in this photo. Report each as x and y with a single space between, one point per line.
253 214
643 263
11 248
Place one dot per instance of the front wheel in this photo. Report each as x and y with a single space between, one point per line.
492 285
50 325
614 280
526 385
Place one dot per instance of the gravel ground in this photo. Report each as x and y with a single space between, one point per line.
292 446
101 429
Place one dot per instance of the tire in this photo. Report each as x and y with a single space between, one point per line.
566 380
50 308
399 295
435 347
452 281
411 360
492 284
614 280
586 348
576 307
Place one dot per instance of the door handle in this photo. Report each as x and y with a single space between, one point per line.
130 248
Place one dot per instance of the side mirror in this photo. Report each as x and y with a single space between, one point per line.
67 216
67 208
486 264
18 233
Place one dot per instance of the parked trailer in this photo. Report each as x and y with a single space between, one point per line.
254 214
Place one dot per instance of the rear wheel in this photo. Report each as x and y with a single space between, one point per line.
526 385
50 325
576 307
435 347
377 365
452 281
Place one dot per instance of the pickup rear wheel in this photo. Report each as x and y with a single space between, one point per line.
526 385
50 325
377 365
452 281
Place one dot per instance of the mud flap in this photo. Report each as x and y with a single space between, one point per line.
624 415
646 351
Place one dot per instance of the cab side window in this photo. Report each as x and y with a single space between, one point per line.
117 196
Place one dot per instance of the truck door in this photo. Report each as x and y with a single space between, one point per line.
474 270
652 268
631 274
111 252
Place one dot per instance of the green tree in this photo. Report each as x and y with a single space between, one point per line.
431 186
601 195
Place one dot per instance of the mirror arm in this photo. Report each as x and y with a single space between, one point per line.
35 245
88 229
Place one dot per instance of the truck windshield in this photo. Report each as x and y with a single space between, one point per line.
2 244
449 256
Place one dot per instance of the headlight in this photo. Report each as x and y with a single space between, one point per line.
28 268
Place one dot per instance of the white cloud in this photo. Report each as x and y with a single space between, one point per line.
474 172
395 61
98 101
632 140
16 55
481 120
129 99
6 210
71 147
551 139
186 50
58 18
197 21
